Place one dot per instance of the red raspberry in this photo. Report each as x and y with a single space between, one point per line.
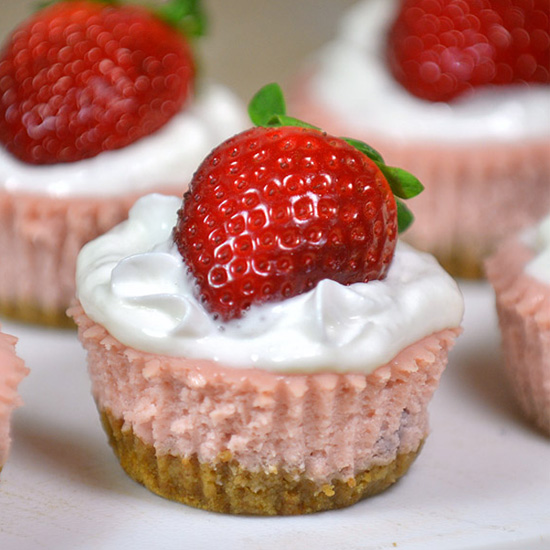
272 211
440 49
82 77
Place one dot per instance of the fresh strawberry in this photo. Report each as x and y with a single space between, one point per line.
82 77
279 207
440 49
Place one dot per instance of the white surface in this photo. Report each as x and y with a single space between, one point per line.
481 482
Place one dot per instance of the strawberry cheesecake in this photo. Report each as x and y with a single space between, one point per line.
268 346
458 97
12 371
519 271
95 111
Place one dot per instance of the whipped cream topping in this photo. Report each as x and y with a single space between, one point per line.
133 282
538 238
169 157
351 77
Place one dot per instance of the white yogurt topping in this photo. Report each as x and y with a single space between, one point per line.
133 282
538 239
353 80
169 157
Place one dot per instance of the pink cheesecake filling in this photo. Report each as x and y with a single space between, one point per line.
40 238
523 305
12 371
324 426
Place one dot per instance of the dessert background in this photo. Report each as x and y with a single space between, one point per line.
249 43
482 481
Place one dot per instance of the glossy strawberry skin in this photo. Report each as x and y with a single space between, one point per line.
83 77
441 49
273 211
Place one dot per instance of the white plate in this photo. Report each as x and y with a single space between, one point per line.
482 480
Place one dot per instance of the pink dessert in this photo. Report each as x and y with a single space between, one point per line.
62 184
482 156
298 433
268 346
523 305
42 236
328 428
12 371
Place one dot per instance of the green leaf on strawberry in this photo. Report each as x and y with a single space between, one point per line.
186 15
268 102
403 184
372 153
268 108
277 121
404 216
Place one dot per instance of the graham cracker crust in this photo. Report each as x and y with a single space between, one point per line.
462 263
226 487
33 314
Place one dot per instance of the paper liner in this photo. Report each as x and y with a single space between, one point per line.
323 427
475 194
12 371
40 237
523 306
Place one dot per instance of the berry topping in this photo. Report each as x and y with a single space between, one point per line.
279 207
82 77
440 49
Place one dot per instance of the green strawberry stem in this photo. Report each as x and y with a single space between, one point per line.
268 108
187 16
